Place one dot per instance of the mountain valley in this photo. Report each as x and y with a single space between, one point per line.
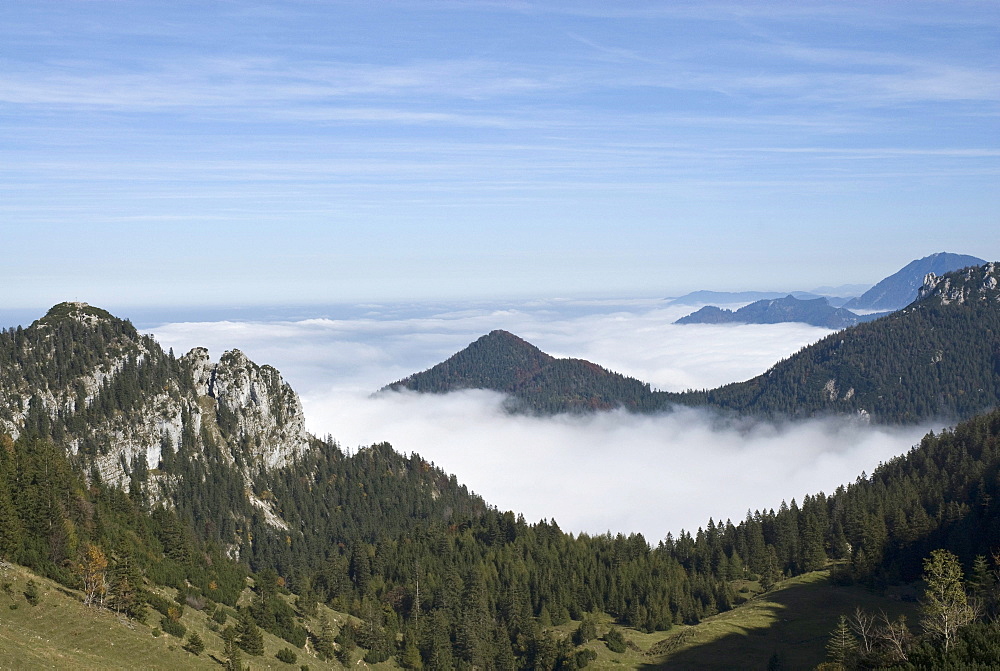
134 479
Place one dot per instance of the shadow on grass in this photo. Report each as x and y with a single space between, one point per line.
792 623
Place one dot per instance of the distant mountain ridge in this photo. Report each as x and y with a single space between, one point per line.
937 358
706 296
892 293
814 311
901 288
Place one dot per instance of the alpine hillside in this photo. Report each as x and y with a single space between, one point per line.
937 358
245 518
121 405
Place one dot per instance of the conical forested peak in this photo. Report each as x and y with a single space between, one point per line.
498 360
501 334
536 382
500 340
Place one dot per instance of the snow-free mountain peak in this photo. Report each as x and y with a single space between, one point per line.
901 288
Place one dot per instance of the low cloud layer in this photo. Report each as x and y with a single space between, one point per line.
613 471
368 349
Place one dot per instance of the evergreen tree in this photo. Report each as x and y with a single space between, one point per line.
409 654
473 627
346 641
10 524
195 644
587 631
437 647
325 639
125 588
231 649
32 594
250 637
615 640
982 582
842 646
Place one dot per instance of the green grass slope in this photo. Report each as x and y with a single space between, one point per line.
60 632
793 620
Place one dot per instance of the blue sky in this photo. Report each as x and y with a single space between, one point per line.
209 152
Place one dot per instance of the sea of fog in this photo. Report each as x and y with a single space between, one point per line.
612 471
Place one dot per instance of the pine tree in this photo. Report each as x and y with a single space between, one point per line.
250 637
981 580
409 655
842 646
587 631
473 628
324 642
615 640
10 525
231 649
195 644
125 588
437 649
346 641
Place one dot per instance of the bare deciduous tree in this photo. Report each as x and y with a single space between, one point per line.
946 607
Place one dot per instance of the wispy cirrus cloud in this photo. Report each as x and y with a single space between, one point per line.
722 129
239 82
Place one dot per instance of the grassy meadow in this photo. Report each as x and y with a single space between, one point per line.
792 621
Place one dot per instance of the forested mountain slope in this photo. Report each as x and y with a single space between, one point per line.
129 414
434 575
937 358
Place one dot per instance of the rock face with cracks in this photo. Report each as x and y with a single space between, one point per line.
118 403
258 407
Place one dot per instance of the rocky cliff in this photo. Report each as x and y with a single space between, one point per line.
120 405
977 284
